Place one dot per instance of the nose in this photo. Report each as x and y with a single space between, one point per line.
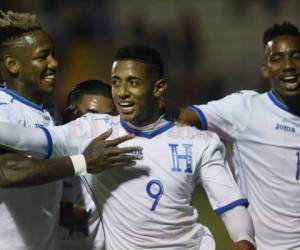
288 64
123 91
52 64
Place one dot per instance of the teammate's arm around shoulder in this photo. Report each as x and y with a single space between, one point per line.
17 170
101 154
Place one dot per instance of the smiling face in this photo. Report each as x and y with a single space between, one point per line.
135 91
34 63
282 66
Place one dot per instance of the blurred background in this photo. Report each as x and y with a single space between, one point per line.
211 47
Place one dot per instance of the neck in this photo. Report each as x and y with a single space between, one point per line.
292 102
22 90
156 114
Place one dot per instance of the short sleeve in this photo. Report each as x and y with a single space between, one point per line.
229 116
214 175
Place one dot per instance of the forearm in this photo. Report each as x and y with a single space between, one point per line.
20 171
239 224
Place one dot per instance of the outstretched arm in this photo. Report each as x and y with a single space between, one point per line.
20 171
101 154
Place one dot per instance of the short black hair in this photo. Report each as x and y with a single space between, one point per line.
144 54
88 87
286 28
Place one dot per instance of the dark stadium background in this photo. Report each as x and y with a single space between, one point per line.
211 47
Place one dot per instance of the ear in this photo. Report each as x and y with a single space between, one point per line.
160 87
264 70
11 64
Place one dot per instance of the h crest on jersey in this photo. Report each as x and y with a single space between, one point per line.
183 161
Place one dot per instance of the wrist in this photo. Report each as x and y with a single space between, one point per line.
79 164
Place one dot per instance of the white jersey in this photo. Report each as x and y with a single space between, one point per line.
148 206
28 216
264 135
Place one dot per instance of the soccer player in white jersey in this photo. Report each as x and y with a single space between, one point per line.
28 69
263 131
79 218
29 215
149 206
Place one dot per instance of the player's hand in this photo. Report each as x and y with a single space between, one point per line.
243 245
74 217
102 154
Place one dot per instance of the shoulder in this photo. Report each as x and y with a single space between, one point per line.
5 98
239 102
192 133
241 95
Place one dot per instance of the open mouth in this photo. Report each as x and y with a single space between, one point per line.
291 82
126 107
49 78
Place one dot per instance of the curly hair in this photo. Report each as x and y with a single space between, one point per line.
276 30
13 25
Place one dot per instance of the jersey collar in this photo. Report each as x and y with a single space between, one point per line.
279 104
21 99
149 131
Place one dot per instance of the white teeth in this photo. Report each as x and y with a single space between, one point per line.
126 104
290 78
51 77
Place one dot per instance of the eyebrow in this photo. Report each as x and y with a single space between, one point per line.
128 78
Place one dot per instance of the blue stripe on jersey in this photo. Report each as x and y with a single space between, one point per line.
240 202
22 99
278 103
49 140
3 103
148 135
200 115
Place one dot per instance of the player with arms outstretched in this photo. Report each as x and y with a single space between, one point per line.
29 215
263 131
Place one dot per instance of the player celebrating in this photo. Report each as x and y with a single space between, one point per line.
28 69
29 215
263 130
149 206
